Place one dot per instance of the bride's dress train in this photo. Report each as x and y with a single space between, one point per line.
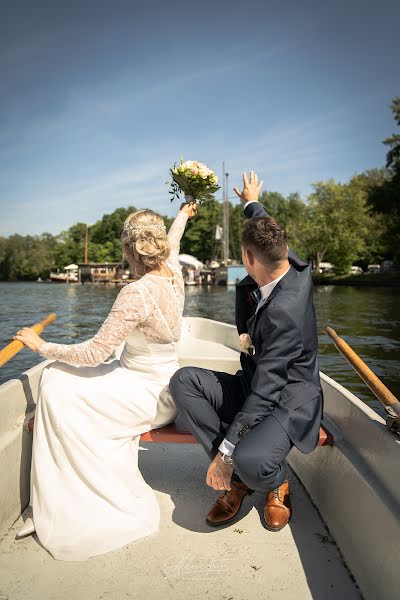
87 493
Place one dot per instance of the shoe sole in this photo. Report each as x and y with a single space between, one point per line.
274 528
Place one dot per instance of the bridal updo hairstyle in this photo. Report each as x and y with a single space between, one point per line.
144 240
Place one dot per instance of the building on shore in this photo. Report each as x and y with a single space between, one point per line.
106 272
115 273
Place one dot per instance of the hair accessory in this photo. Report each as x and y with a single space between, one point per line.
138 228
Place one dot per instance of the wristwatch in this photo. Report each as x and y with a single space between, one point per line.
228 460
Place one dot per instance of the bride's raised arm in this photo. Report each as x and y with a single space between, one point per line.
128 311
175 233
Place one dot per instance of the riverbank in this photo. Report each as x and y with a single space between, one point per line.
363 280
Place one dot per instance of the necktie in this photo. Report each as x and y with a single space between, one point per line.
256 294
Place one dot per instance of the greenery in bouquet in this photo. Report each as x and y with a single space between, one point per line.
194 179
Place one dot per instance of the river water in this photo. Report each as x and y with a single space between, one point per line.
367 318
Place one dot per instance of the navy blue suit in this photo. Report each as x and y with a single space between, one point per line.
275 402
282 377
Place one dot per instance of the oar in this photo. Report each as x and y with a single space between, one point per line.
15 346
379 389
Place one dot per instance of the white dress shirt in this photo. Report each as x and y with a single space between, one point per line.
225 446
247 203
266 290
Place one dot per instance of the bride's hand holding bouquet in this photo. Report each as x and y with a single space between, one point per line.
190 208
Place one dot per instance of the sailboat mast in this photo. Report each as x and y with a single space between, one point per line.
225 213
86 244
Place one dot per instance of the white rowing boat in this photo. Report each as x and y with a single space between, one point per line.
352 484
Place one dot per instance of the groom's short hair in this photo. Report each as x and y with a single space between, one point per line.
266 238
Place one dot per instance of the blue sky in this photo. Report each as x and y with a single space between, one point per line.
99 98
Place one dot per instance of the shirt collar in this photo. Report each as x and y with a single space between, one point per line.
266 289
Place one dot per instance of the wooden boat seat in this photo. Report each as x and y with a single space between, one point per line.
171 434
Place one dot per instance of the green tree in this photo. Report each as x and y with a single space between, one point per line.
16 259
385 197
3 253
383 190
336 227
199 238
105 236
291 212
236 222
372 184
26 257
393 156
70 246
109 227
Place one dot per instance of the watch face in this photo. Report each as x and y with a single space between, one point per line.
227 459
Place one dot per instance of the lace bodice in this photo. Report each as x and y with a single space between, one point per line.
153 304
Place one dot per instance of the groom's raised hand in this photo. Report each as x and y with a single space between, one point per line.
251 188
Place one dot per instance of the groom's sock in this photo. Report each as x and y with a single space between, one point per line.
236 478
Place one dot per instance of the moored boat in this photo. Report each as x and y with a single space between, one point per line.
351 483
68 275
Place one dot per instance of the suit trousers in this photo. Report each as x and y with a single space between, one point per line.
208 401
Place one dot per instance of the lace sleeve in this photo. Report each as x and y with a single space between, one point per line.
175 234
129 309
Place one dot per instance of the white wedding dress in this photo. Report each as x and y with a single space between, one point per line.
87 494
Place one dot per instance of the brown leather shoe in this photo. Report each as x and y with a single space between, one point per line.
277 509
228 504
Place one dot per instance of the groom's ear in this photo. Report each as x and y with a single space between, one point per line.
249 255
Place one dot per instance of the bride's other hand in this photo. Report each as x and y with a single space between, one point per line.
189 208
251 188
30 339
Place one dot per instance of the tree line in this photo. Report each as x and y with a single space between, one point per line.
342 223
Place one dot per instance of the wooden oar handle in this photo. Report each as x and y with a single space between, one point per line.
373 382
43 324
15 346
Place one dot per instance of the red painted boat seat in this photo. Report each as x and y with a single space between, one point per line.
170 434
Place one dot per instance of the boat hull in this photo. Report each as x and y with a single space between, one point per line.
353 483
63 279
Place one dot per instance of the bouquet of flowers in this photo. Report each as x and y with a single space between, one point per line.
193 179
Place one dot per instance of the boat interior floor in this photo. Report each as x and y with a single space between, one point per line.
187 558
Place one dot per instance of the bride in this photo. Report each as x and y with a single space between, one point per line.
87 494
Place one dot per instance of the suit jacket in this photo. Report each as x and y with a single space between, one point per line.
282 377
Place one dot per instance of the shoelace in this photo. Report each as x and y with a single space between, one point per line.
277 492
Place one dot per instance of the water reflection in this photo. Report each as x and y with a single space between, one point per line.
368 318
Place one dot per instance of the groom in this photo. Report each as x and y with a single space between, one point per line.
248 422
